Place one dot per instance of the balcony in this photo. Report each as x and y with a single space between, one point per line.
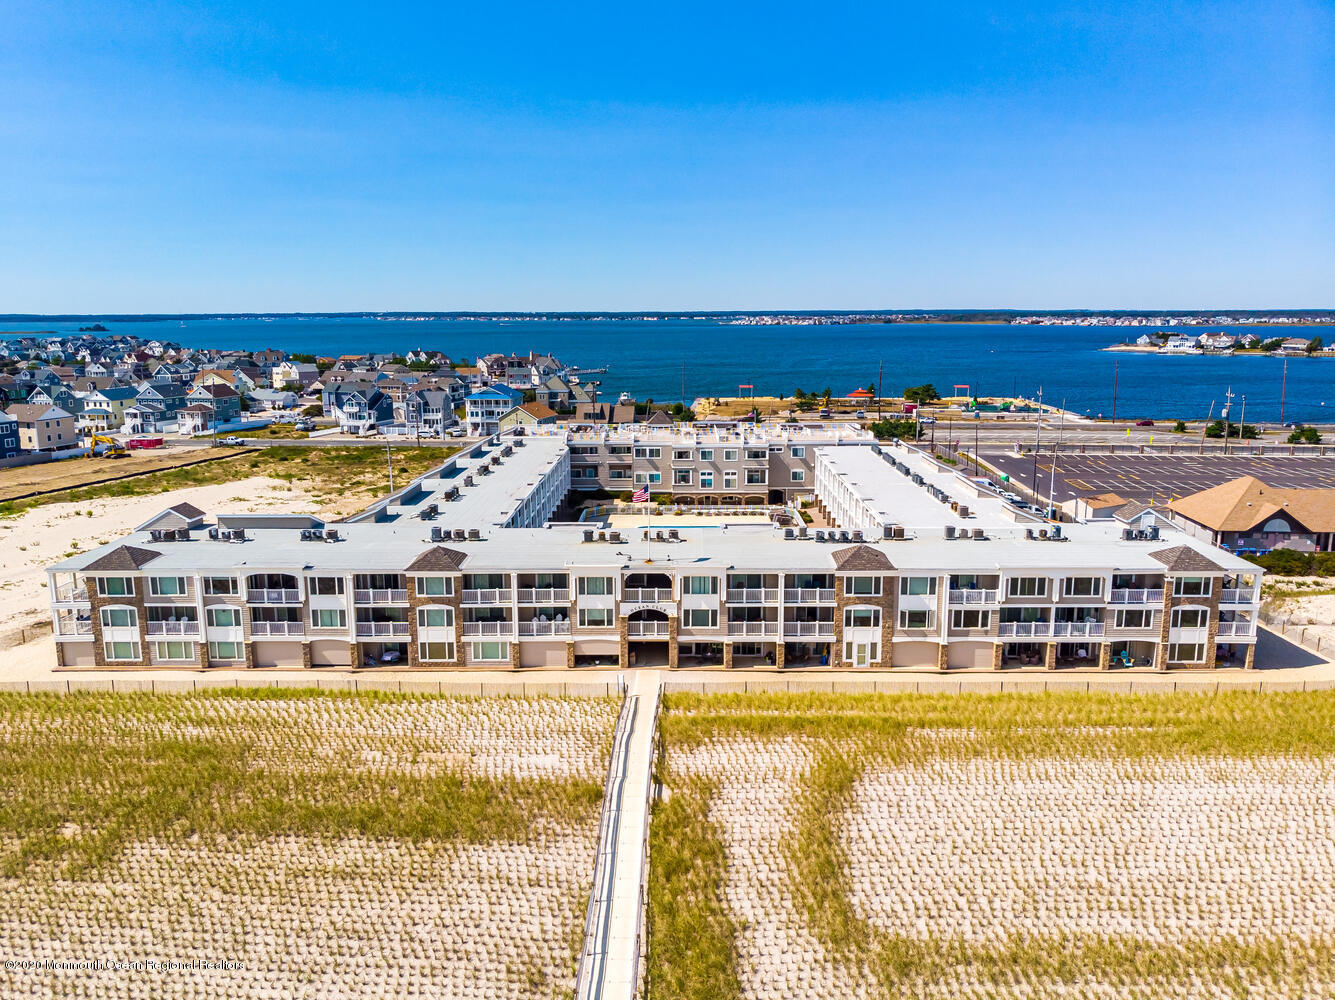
1076 628
173 628
972 597
1240 595
800 630
71 593
1127 596
808 595
273 596
1237 628
753 628
502 630
73 626
544 628
277 628
486 596
768 595
382 629
1025 630
647 595
380 596
543 595
648 629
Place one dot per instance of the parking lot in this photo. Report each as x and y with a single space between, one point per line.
1161 477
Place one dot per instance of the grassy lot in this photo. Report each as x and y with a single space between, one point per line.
842 843
335 471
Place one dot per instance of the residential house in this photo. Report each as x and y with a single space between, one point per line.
9 436
234 378
104 409
293 373
424 413
1247 515
42 427
357 406
484 408
225 400
527 415
275 399
1293 345
269 358
156 406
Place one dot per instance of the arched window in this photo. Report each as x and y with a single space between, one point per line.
1277 526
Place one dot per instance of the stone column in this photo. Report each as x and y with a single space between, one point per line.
570 653
779 652
727 655
1050 656
514 654
354 655
997 649
1251 657
1105 655
943 656
672 641
623 638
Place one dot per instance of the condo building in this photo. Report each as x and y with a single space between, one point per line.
908 564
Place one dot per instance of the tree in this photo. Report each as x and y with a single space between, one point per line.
302 359
826 394
1180 427
921 394
1305 435
883 430
314 410
1314 345
1273 344
799 394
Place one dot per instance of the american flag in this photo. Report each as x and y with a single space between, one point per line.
641 495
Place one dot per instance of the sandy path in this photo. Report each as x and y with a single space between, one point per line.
40 536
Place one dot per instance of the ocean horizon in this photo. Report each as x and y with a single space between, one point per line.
681 359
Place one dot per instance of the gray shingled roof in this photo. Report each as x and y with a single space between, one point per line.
1184 559
859 558
125 558
438 559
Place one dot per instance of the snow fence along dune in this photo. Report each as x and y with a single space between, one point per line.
1010 846
333 845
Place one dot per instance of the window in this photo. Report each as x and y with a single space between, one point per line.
435 617
166 586
917 586
225 651
618 449
799 451
434 586
648 452
970 618
729 454
869 586
644 478
706 454
756 477
1083 586
1027 586
681 455
681 477
700 618
706 480
220 585
326 586
436 650
1186 652
756 454
329 618
1191 586
699 585
618 473
862 618
730 480
119 618
223 617
121 650
174 650
491 651
1190 618
595 586
799 475
1138 618
916 619
115 586
595 617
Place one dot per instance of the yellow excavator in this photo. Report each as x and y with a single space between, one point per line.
114 448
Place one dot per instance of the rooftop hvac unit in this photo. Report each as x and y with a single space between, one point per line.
602 536
437 535
950 531
238 534
588 534
658 536
674 534
213 534
317 534
331 535
305 534
614 536
857 536
978 534
1154 532
1043 533
820 535
474 534
155 534
468 480
1056 531
460 534
843 536
484 470
1128 534
1029 533
963 511
789 533
801 531
888 531
899 531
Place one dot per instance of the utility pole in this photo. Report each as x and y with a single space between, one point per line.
975 448
1228 412
880 387
1242 418
1117 367
1283 389
1038 436
389 460
1052 480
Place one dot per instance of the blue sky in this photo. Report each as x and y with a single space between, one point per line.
341 156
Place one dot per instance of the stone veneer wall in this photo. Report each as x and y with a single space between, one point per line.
453 600
886 602
97 602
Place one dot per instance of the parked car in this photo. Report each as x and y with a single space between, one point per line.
1145 423
233 439
860 415
304 424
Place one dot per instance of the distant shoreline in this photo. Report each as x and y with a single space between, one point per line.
1238 353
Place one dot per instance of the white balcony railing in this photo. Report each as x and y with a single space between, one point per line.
173 628
500 629
649 629
1240 595
800 629
264 596
277 628
486 597
647 595
380 596
1077 628
973 596
1135 596
74 626
1022 630
544 628
753 628
1237 628
382 628
808 595
753 595
71 593
544 595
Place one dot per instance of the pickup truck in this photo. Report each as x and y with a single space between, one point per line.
233 439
